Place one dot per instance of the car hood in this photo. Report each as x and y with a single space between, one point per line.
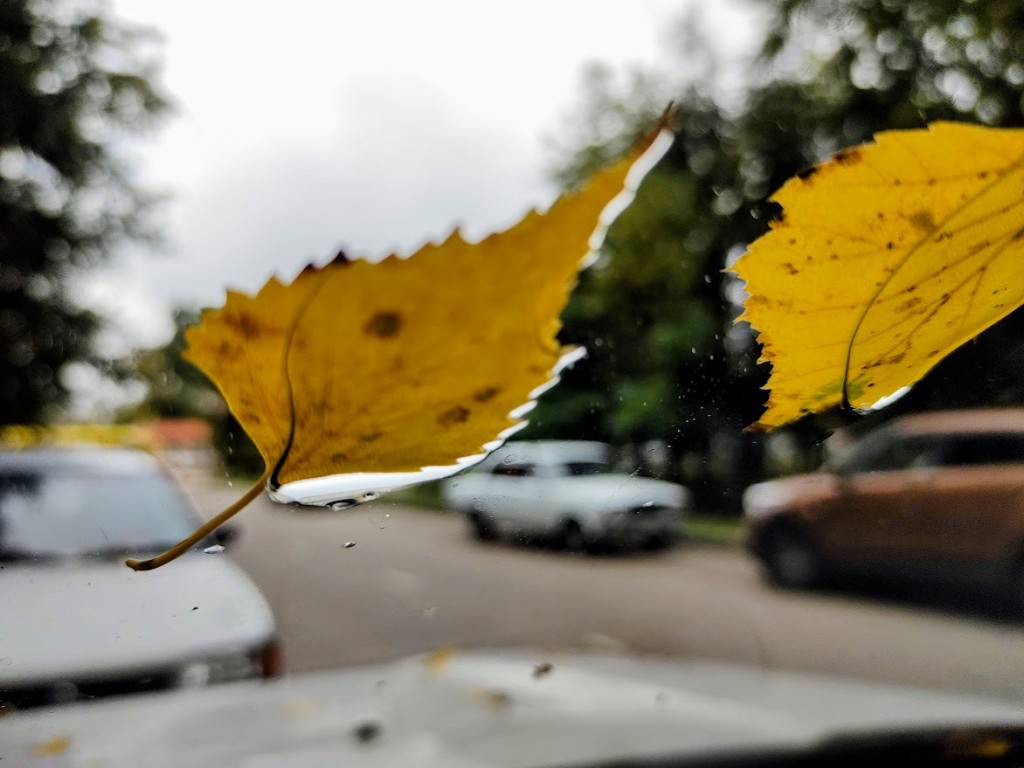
91 618
487 708
616 491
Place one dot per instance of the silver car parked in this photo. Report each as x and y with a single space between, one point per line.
76 623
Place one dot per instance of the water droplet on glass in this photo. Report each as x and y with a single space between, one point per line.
648 504
428 613
348 544
214 549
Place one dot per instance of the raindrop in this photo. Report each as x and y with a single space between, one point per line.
348 544
214 549
428 613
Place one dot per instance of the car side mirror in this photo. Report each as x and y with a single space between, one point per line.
226 534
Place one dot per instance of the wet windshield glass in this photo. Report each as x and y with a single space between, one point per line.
203 227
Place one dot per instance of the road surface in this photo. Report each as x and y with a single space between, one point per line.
412 581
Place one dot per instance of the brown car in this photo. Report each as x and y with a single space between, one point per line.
933 495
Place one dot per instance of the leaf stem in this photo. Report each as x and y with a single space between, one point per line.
202 532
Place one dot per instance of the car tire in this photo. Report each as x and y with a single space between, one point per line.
573 539
658 542
790 560
1013 597
482 527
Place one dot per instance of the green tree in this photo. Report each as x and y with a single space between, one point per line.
656 313
843 71
175 388
74 86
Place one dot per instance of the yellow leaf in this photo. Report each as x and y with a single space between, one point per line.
404 364
887 258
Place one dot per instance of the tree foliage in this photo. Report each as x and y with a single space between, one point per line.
666 360
74 86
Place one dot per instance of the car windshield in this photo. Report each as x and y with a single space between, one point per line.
62 513
515 429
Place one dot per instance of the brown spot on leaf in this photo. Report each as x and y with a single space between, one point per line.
983 174
486 394
246 325
383 325
338 457
847 156
1018 235
788 266
922 220
890 245
453 416
372 437
807 173
226 349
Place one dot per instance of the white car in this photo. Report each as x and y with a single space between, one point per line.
520 709
77 624
564 491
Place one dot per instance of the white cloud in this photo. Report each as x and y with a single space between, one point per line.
310 125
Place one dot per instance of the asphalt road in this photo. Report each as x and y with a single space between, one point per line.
414 582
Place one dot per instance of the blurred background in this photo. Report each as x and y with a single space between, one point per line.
153 154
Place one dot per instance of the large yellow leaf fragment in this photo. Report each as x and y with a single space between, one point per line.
887 258
407 363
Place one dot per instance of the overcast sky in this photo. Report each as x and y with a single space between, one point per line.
310 125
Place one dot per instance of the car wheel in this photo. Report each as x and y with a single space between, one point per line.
573 539
1013 598
658 542
482 527
790 560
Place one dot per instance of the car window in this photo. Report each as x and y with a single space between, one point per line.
875 453
964 450
63 513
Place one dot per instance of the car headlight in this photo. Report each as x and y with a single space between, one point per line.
194 675
764 498
264 661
